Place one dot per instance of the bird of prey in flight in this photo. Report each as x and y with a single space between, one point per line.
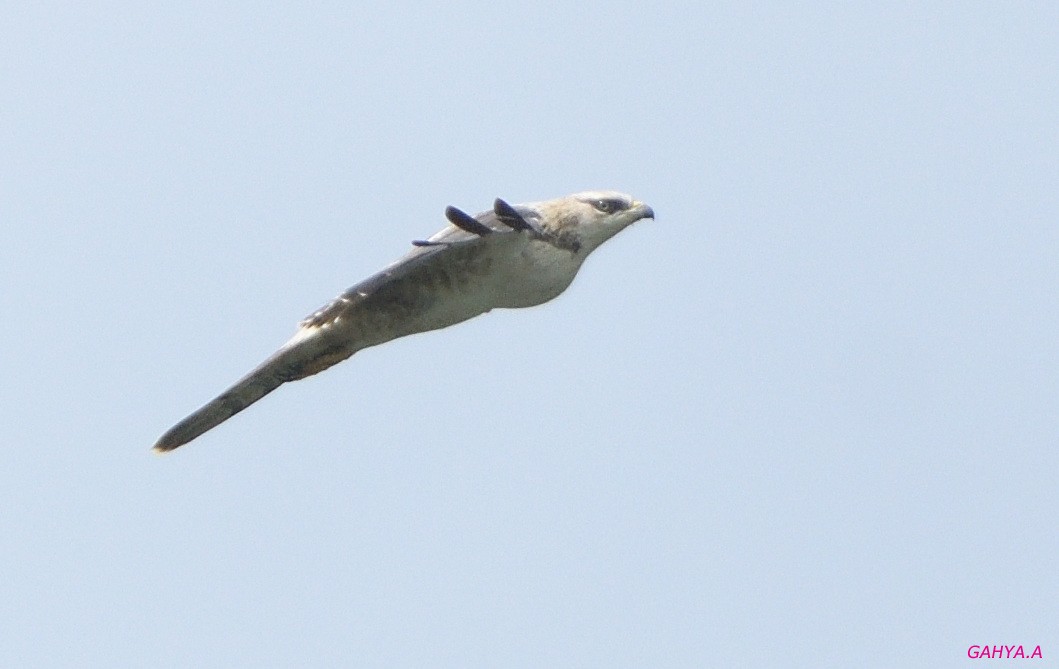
513 256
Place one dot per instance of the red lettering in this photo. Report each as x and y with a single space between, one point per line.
974 651
1036 652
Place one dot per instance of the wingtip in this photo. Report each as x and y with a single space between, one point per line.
502 208
466 222
510 216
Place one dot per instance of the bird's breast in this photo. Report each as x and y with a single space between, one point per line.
534 273
515 272
509 271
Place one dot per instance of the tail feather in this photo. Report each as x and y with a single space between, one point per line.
304 355
252 387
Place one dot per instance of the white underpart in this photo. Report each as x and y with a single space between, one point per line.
523 271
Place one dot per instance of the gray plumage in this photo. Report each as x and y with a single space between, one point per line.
510 257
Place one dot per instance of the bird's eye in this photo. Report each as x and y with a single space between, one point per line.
608 206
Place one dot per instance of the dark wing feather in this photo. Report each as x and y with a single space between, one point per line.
511 217
466 222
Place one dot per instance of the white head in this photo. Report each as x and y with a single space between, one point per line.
592 217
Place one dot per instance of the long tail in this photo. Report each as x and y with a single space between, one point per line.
299 358
270 375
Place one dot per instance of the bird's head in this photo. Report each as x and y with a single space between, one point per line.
591 217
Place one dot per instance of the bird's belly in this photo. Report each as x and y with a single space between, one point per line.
526 276
516 273
538 272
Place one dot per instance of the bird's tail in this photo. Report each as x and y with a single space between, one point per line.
270 375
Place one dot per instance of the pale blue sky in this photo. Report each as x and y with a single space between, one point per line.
807 417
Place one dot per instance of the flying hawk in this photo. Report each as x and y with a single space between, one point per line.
513 256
